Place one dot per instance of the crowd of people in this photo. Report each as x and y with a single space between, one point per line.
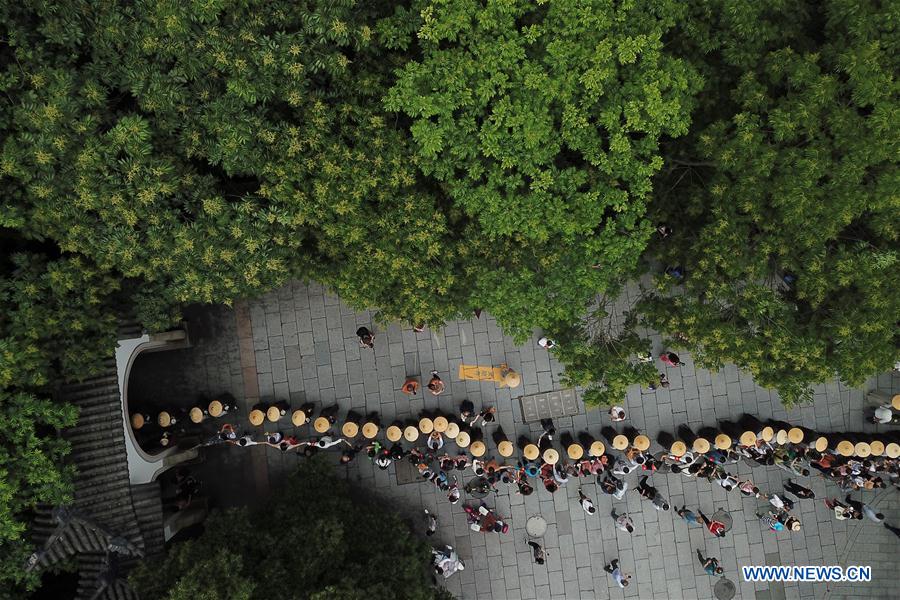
611 470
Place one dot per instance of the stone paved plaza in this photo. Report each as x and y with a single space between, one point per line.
303 347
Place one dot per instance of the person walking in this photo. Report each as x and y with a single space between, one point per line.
770 521
859 509
645 490
748 489
466 409
586 503
870 514
486 416
326 442
540 556
431 522
717 528
613 569
780 502
410 387
688 515
623 521
435 385
366 338
670 359
616 414
892 529
659 502
710 564
799 491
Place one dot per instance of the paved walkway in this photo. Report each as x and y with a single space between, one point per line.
305 348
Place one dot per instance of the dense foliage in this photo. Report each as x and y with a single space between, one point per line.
312 536
542 122
432 157
54 323
783 201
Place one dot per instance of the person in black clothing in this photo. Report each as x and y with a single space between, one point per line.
856 506
892 529
646 491
366 338
466 409
349 454
539 554
798 490
397 452
549 430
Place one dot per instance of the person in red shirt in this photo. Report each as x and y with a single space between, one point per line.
717 528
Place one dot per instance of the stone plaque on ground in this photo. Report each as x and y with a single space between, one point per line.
551 405
406 472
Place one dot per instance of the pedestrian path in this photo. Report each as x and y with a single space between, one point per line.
304 348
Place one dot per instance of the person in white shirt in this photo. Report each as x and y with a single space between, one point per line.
326 442
546 342
623 521
617 413
883 415
614 570
728 482
586 503
435 440
620 467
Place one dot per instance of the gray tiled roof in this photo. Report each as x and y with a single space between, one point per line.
106 506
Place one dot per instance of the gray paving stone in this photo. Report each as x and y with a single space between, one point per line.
307 346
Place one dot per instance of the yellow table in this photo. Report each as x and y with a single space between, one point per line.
321 424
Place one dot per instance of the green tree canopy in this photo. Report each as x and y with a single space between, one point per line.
313 539
791 169
542 121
